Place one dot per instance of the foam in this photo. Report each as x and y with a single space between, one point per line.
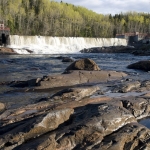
58 45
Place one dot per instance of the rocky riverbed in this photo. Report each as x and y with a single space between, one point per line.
88 108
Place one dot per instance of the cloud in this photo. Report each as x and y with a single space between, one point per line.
112 6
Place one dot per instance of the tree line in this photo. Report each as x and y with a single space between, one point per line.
50 18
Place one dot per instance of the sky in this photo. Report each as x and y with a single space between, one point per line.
112 6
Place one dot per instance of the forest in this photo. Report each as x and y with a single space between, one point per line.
51 18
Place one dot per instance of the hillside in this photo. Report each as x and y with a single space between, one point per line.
36 17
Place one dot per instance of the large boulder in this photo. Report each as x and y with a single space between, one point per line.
83 64
141 65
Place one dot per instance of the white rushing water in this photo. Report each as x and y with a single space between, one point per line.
58 45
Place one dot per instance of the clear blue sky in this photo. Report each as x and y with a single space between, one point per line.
112 6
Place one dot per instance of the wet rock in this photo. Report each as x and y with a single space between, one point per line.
141 65
83 64
17 133
75 93
126 87
130 137
142 50
67 59
139 107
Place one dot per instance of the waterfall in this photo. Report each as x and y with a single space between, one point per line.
58 45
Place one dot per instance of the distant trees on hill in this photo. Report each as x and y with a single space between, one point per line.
45 17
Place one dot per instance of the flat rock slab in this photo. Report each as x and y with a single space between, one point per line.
71 79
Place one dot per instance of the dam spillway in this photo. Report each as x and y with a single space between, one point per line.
59 45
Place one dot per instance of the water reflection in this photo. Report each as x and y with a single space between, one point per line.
145 122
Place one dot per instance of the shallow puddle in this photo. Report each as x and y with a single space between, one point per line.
119 95
145 122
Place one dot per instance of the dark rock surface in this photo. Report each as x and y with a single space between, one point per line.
141 65
110 49
142 50
6 50
67 59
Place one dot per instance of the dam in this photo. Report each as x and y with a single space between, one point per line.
59 45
